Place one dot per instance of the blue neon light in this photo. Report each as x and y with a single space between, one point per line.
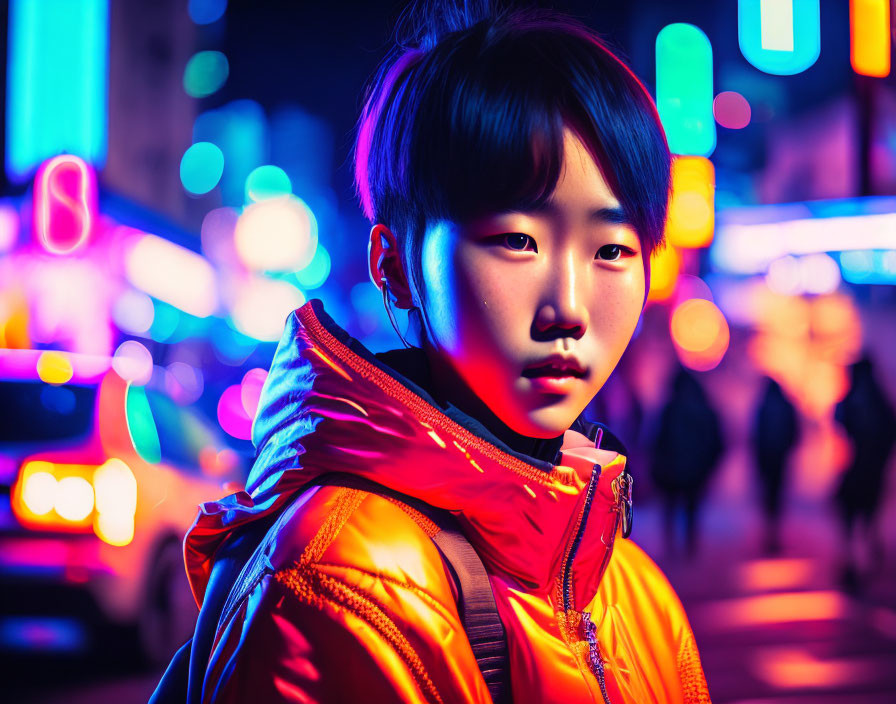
57 82
781 37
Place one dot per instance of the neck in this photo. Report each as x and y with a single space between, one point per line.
429 371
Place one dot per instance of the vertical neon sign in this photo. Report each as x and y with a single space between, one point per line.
869 24
57 82
684 89
64 204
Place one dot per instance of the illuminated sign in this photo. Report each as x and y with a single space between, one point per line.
64 204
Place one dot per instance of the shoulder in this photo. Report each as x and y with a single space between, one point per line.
352 534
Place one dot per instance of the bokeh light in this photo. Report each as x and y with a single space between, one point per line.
205 73
116 502
54 367
39 492
731 110
869 23
691 218
262 305
250 390
216 235
206 11
9 228
265 182
232 415
184 383
684 79
201 167
74 498
133 362
278 234
665 264
317 271
142 425
813 273
700 333
133 312
172 274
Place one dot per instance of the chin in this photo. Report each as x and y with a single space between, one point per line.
547 422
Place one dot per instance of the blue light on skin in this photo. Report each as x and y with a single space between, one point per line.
684 89
201 167
57 83
781 37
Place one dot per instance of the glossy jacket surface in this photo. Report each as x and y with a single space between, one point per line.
348 599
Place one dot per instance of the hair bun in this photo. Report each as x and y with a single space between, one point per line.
424 22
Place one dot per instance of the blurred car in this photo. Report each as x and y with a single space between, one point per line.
99 481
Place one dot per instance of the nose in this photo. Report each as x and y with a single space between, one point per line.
563 311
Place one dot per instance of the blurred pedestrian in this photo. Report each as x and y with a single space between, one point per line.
775 433
686 451
868 419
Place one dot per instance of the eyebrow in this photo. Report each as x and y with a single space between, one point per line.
612 215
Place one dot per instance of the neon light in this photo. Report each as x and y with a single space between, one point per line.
9 228
172 274
141 425
750 248
776 24
869 25
116 502
781 37
691 218
57 82
22 364
684 89
64 203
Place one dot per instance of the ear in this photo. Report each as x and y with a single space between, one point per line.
384 261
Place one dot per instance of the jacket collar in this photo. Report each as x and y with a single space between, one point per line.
329 405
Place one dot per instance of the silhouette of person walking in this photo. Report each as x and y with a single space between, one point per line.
869 421
686 450
775 433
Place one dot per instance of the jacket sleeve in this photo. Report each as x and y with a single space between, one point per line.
332 630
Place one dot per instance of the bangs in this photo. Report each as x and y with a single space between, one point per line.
474 126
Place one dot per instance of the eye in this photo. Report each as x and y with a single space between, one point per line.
519 242
613 252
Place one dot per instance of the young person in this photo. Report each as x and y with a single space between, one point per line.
516 175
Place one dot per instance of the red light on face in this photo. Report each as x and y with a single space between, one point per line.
64 203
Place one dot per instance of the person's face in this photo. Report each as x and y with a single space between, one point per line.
530 311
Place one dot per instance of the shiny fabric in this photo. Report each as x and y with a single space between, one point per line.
348 598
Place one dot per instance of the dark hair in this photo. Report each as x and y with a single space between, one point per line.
466 118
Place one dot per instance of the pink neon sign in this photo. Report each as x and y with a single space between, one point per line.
64 203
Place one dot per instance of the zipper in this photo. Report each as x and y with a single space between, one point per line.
595 660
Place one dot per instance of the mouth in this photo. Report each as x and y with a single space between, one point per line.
556 367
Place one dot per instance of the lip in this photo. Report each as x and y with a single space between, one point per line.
555 366
557 385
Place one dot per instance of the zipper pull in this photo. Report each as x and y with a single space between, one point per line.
622 489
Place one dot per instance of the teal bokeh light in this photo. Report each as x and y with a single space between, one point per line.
684 89
781 37
201 167
317 271
205 73
265 182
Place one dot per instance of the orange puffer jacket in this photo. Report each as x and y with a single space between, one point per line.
348 598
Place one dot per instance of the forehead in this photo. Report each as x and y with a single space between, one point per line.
581 177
